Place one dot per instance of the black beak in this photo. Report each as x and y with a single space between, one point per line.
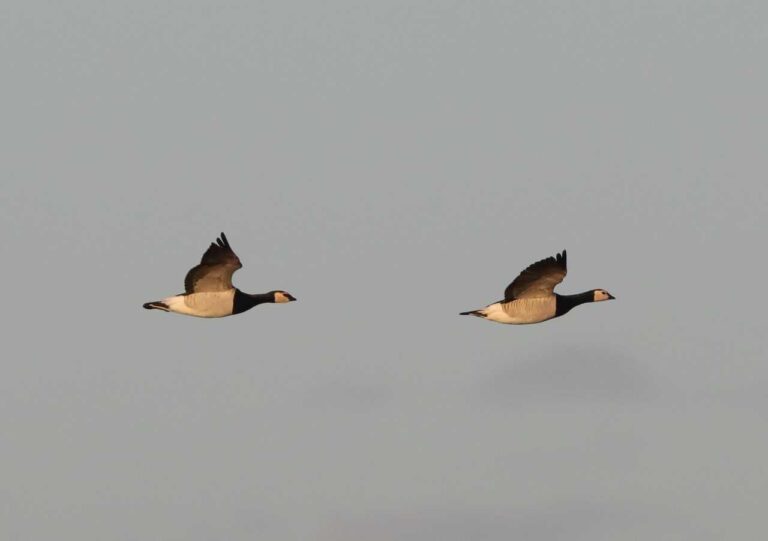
610 296
290 297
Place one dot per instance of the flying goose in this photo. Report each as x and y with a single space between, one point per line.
209 290
530 298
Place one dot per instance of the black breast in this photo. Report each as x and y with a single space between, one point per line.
564 303
242 301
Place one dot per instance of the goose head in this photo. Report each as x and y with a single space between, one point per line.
281 296
601 295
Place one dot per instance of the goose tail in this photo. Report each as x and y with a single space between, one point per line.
156 305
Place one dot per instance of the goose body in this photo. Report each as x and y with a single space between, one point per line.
209 290
530 298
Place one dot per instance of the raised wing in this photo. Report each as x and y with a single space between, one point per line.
214 273
539 279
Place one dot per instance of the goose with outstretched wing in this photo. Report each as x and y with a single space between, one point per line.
209 291
531 297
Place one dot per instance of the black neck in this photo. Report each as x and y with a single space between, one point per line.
245 301
566 302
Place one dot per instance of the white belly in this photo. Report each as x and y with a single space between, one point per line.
207 304
522 311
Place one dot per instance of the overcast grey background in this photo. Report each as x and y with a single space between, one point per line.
390 164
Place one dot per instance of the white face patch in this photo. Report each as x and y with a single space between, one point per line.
280 297
602 295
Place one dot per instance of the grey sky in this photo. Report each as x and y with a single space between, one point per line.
390 164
